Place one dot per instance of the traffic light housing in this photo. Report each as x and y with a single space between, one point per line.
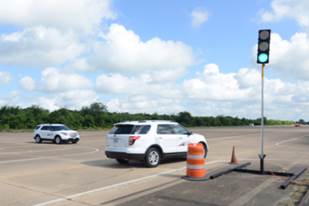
263 46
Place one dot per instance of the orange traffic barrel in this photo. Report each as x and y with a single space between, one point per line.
196 161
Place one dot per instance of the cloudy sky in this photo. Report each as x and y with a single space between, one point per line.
155 56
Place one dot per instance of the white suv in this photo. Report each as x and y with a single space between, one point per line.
150 141
58 133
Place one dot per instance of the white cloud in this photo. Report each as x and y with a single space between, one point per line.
51 32
81 64
11 99
48 103
247 78
242 86
5 77
290 58
199 17
139 85
145 104
238 94
74 99
27 83
295 9
116 83
122 50
55 80
139 94
81 15
39 46
215 85
211 92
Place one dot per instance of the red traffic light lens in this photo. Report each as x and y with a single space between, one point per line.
264 34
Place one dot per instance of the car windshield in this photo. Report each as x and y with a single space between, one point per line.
130 129
59 128
37 127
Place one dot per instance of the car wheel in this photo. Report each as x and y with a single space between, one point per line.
122 161
58 140
38 139
153 157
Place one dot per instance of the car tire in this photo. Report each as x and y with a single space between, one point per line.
122 161
37 139
58 139
74 141
153 157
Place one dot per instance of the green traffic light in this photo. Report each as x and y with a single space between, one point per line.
263 57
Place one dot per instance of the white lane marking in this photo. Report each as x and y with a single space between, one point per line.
117 185
49 157
228 137
83 153
288 140
21 160
34 151
11 146
48 150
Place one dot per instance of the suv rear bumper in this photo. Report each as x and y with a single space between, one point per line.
123 155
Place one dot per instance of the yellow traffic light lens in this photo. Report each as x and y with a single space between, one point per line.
263 46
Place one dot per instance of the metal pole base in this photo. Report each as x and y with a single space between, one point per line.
262 157
291 174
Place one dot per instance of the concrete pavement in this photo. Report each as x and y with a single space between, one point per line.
48 174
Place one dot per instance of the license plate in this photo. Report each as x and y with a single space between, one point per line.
116 140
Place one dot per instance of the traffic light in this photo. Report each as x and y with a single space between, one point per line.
263 46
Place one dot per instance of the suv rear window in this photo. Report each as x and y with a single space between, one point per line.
130 129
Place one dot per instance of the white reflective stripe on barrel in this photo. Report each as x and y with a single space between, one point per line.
194 157
195 167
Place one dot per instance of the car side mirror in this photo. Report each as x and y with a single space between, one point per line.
189 133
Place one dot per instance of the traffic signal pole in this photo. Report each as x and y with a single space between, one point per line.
263 58
262 155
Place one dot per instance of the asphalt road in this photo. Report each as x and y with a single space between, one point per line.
79 175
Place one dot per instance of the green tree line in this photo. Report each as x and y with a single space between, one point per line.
97 116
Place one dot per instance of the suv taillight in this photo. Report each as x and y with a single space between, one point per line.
132 139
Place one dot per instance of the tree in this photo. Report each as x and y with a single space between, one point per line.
97 116
184 118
